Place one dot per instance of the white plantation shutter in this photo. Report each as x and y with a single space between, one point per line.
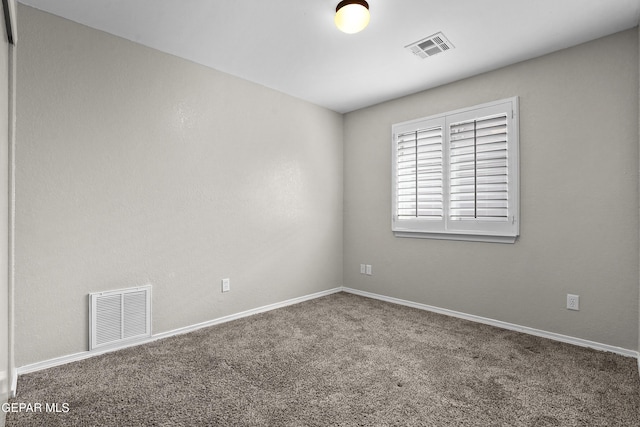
478 184
456 175
419 174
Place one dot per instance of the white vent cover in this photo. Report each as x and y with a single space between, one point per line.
430 46
119 316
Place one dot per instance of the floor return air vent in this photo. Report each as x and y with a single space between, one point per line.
430 46
118 317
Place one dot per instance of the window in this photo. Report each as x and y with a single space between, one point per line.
455 175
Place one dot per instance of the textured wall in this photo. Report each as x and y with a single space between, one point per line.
137 167
579 199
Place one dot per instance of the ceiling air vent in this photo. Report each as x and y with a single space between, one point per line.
430 46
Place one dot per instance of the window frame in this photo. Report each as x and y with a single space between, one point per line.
470 230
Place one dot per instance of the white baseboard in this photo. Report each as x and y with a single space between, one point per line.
14 383
87 354
500 324
247 313
505 325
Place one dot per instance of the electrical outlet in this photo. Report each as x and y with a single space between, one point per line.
226 285
362 269
573 302
368 270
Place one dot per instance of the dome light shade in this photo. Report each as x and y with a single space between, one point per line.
352 16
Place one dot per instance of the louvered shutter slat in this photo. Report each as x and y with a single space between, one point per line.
419 174
478 185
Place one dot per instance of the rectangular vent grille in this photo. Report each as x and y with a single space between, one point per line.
430 46
119 316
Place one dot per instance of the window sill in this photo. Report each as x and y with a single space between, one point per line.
460 237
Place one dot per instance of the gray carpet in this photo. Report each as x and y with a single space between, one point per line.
341 360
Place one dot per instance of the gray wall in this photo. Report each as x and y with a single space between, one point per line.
579 199
137 167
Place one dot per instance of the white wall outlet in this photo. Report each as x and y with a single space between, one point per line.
573 302
362 269
368 270
226 285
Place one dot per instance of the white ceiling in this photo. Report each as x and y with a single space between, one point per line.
293 46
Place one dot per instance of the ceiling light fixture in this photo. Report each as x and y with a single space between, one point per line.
352 16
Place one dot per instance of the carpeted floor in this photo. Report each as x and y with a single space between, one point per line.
340 360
